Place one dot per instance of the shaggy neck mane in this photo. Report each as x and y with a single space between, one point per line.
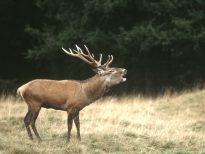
94 87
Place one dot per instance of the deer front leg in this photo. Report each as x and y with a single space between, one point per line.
77 124
69 123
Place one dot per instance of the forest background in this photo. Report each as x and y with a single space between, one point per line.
160 42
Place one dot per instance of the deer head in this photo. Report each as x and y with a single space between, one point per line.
111 75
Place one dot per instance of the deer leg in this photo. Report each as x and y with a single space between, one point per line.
27 120
33 120
77 124
70 123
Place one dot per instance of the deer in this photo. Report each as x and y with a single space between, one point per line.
69 95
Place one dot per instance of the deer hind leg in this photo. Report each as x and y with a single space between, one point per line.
27 120
35 113
77 124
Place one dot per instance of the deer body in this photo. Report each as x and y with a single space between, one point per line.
64 94
67 95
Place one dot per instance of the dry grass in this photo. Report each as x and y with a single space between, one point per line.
129 124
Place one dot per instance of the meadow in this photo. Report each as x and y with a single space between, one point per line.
172 123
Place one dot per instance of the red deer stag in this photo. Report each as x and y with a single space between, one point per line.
69 95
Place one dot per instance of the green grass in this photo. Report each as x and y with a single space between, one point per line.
128 124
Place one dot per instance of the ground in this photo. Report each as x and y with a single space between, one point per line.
126 124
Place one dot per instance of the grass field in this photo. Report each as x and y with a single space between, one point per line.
128 124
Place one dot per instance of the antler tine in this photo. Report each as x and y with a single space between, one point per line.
106 61
67 51
79 49
88 58
109 61
71 51
82 53
89 55
77 54
98 63
100 60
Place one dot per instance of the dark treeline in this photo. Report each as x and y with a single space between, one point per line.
161 43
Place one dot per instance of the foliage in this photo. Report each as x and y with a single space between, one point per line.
160 42
14 15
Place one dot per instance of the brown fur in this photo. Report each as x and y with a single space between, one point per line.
67 95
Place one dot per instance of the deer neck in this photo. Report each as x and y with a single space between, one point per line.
94 87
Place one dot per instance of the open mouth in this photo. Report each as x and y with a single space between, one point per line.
123 74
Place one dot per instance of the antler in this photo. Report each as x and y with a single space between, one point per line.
109 61
89 57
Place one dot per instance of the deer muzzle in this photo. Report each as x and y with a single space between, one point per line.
124 72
